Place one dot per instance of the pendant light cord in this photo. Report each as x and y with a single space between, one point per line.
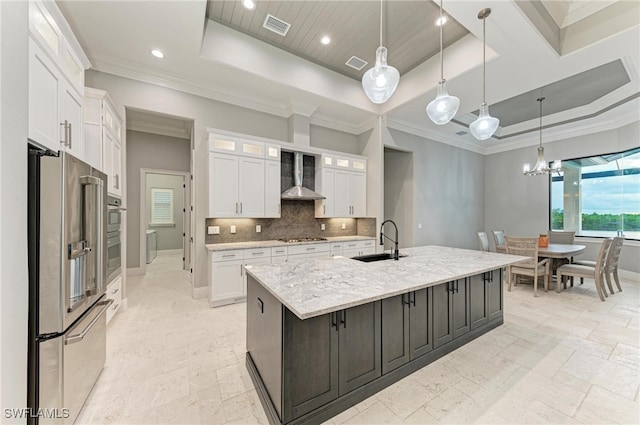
540 99
381 22
441 54
484 57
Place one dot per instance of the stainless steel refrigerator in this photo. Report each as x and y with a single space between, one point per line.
67 270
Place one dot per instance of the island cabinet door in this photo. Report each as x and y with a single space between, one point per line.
359 346
442 313
395 332
478 298
310 363
460 308
420 323
494 294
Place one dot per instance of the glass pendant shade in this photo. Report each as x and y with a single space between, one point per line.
484 127
380 82
444 107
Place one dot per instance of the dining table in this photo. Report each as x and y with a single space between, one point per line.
556 252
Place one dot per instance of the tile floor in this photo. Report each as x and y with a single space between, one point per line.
560 358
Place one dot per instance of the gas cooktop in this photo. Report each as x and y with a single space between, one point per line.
292 240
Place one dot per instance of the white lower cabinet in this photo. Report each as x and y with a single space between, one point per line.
226 284
357 248
114 292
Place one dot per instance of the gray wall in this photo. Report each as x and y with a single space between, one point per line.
398 194
327 138
14 293
167 236
448 191
153 151
520 204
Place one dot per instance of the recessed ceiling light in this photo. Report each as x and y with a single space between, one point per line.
157 53
325 40
441 21
249 4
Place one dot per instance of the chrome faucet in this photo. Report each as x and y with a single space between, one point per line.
396 251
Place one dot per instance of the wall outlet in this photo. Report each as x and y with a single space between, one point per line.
258 228
233 228
344 226
213 230
419 225
322 226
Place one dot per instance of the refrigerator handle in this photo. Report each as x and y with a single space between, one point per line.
92 226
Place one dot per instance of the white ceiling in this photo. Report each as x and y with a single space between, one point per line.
209 59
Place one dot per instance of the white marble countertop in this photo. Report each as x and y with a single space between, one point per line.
319 286
275 242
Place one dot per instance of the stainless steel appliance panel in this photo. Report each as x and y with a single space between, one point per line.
114 256
82 221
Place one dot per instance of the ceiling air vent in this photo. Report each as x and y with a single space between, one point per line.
276 25
356 63
461 133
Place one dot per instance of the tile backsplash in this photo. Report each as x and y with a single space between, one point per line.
297 219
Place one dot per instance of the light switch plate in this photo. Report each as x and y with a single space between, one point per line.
322 226
344 226
258 228
213 230
233 228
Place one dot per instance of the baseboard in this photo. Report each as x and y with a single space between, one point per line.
199 293
629 275
135 271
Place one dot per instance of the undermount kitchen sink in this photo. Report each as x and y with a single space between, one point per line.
375 257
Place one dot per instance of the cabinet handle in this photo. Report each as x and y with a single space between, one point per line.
324 209
116 291
228 255
65 126
334 320
115 307
69 135
240 207
456 286
117 178
403 300
343 318
257 253
413 301
311 249
236 208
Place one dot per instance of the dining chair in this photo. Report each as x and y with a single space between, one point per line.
563 237
498 238
483 241
527 247
596 273
610 264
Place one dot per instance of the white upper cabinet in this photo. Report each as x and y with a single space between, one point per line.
56 80
343 181
103 137
244 177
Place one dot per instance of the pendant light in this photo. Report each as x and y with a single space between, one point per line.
541 166
381 81
484 127
443 108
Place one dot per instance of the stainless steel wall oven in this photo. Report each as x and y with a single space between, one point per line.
114 251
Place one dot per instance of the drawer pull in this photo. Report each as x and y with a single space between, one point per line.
229 255
116 291
257 253
311 249
115 307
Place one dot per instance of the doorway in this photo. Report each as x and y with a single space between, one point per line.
398 194
164 222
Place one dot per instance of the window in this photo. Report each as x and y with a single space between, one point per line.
161 206
598 196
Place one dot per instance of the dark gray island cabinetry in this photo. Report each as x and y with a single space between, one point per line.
325 334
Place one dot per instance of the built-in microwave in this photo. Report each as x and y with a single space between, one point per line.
114 210
114 246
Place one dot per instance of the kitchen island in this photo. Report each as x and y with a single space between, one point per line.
324 334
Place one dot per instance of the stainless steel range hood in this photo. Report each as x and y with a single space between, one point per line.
299 192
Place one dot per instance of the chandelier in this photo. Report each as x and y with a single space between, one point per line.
541 166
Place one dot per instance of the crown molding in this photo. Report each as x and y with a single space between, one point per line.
145 74
421 132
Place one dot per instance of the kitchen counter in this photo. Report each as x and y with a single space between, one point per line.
275 243
314 287
325 334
